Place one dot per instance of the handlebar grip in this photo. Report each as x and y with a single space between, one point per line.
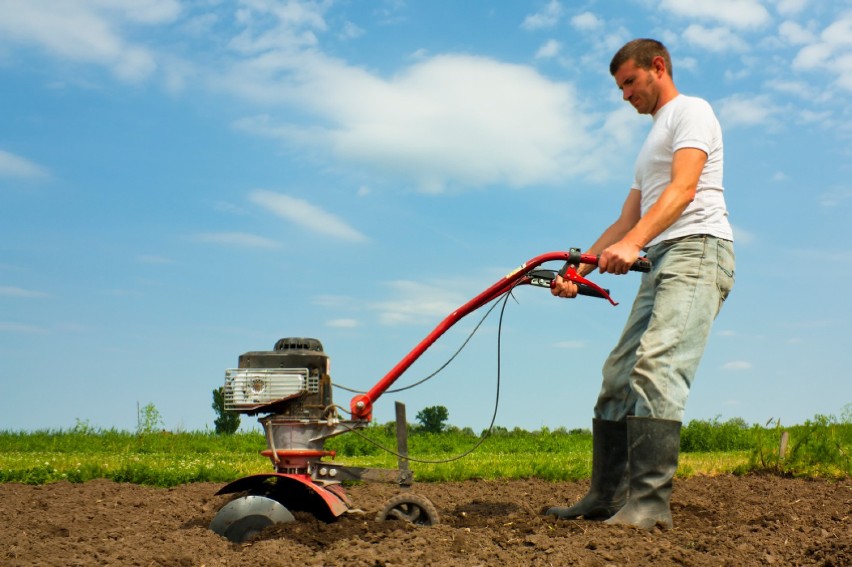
583 289
641 265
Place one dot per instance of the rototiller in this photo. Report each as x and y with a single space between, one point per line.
291 388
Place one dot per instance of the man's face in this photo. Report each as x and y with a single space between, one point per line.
638 86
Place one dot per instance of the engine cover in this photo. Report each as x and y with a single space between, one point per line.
292 381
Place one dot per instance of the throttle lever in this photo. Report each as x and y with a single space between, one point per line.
569 272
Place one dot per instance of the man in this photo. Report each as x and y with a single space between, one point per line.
675 213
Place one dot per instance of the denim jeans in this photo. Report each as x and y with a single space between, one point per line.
650 370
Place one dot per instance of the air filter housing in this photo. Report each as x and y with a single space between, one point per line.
291 380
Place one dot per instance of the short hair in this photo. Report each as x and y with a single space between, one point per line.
642 52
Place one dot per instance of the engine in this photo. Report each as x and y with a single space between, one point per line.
291 381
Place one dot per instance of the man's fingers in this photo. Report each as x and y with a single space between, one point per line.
563 288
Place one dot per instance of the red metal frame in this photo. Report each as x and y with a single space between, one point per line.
362 404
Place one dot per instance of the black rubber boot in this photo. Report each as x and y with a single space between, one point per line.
653 448
608 491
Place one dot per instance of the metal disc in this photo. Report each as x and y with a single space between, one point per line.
244 517
410 507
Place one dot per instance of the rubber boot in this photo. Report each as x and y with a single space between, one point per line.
608 491
653 448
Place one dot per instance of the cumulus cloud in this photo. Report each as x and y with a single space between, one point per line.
306 215
718 40
570 345
12 165
10 291
240 239
743 110
831 52
88 32
835 197
449 119
547 18
414 302
342 323
21 328
742 235
549 50
794 33
587 21
153 259
444 121
737 365
791 7
734 13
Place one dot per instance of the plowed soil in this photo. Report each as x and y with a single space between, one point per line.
725 520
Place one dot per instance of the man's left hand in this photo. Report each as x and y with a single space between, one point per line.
618 258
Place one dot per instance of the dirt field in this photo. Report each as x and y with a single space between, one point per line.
756 520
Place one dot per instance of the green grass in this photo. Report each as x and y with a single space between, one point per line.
818 448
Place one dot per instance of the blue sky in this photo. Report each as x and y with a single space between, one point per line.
182 182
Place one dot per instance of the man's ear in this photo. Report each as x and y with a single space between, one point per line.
659 64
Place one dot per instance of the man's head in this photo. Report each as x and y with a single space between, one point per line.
642 52
643 71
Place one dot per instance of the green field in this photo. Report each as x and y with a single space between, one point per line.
821 447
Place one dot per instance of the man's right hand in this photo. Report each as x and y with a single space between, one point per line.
563 288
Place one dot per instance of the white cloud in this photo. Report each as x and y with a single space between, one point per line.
736 13
839 33
570 345
791 7
547 18
743 110
718 40
741 235
351 31
688 63
794 33
835 197
237 239
87 31
153 259
306 215
21 328
800 89
9 291
450 119
813 56
587 21
16 166
416 302
549 50
831 53
446 121
737 365
342 323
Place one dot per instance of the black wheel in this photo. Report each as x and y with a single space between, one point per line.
411 508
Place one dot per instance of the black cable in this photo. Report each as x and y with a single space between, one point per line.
488 431
436 372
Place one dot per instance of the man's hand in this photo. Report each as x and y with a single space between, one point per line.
563 288
618 258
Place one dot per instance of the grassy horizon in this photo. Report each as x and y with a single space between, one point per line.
819 448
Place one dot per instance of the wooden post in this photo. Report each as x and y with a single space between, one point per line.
405 476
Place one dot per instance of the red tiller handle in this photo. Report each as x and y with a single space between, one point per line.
362 404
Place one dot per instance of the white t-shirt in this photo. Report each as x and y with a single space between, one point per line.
685 122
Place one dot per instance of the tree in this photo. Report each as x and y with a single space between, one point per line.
433 419
148 419
226 422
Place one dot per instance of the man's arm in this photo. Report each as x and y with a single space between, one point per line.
631 211
687 165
